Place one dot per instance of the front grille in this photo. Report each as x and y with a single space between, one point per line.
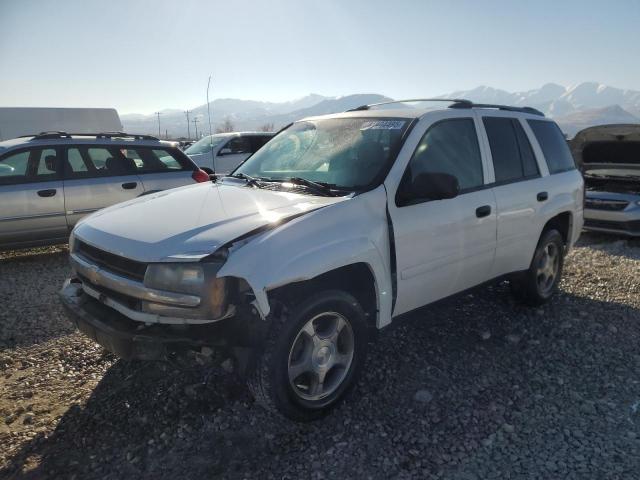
126 300
110 262
631 227
610 205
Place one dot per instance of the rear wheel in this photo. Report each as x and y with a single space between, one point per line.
536 285
312 356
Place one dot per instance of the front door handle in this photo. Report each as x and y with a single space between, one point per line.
483 211
542 196
129 185
47 193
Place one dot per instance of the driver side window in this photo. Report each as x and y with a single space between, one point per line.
239 145
449 146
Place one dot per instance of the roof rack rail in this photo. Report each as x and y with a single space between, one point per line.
47 135
101 135
135 136
410 100
468 104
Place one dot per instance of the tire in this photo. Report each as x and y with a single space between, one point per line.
286 376
537 285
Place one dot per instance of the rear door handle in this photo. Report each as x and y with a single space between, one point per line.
47 193
483 211
542 196
129 185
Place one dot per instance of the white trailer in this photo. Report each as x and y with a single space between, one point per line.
18 121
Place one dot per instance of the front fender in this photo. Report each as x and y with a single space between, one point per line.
349 232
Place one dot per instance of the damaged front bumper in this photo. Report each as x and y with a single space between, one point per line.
132 339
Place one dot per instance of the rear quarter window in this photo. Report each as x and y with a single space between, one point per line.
554 146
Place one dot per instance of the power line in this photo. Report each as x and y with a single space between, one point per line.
195 124
158 114
187 112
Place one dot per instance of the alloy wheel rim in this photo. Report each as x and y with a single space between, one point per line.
321 356
547 269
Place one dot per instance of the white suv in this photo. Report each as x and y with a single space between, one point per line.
339 225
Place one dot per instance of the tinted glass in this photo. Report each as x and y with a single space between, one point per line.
450 146
529 163
351 153
554 146
239 145
13 168
148 160
504 148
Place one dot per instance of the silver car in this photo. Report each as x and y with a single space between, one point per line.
609 157
51 180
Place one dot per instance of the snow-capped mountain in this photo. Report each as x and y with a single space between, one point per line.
574 107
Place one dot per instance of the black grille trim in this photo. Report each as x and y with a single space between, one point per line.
630 227
112 263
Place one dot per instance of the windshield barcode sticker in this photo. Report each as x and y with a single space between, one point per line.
383 125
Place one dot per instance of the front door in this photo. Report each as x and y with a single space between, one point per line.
232 154
31 198
444 246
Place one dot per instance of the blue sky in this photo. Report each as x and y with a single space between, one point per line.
140 56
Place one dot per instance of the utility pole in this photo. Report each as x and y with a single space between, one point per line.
158 114
187 112
195 124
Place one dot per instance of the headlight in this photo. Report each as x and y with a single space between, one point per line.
189 278
175 277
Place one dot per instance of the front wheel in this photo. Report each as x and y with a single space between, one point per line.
312 356
536 285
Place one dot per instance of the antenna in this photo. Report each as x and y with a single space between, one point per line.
213 158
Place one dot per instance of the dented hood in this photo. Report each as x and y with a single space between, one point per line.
191 222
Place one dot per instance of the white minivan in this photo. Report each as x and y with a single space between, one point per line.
338 226
227 149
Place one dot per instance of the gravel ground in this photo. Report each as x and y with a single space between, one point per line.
479 388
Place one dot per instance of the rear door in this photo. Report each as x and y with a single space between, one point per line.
236 151
96 177
31 197
161 168
519 189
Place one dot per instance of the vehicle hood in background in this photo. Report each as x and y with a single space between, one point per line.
601 133
191 222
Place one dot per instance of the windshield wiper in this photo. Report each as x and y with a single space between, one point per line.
243 176
318 187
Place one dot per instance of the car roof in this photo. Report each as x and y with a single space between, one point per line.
30 141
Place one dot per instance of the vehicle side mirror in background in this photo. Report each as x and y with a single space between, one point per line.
431 186
225 151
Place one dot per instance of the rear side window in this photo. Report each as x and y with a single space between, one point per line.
554 146
87 162
154 160
513 158
450 146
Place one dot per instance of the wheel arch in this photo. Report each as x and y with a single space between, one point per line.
357 279
563 222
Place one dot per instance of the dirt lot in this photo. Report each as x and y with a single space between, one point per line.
479 388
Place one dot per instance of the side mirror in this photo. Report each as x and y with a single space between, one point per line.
225 151
432 186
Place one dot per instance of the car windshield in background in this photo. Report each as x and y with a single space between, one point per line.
204 145
345 153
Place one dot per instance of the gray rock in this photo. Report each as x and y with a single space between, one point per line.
423 396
